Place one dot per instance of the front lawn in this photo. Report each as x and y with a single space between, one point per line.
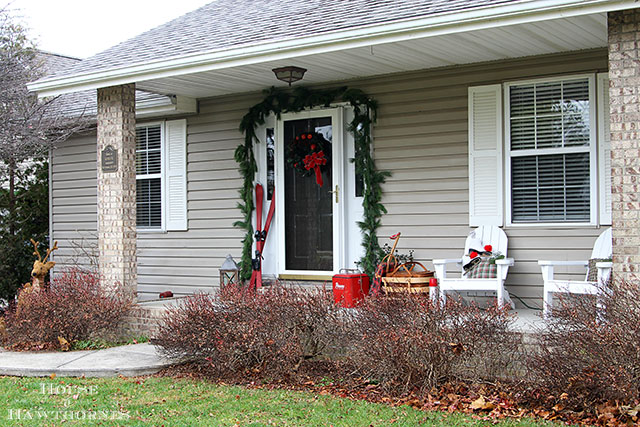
182 402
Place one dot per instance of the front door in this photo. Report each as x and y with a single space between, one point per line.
310 154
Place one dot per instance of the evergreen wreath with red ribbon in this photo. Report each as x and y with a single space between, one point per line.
309 151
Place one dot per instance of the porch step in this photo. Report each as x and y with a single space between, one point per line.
144 316
299 284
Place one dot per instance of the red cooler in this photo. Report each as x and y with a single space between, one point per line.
349 288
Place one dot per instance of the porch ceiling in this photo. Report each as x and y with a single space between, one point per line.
536 38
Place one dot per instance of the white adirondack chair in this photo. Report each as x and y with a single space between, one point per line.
603 248
488 235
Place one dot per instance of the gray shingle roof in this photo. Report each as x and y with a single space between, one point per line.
79 103
225 24
85 103
56 63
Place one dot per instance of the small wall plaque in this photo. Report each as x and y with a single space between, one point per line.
109 159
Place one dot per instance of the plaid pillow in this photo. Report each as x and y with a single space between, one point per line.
592 272
483 270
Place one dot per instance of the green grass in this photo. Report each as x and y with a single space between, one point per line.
99 344
181 402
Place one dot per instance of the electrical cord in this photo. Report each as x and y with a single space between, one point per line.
524 303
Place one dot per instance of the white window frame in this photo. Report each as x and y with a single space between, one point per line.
592 150
161 175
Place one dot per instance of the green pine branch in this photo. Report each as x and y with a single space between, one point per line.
277 102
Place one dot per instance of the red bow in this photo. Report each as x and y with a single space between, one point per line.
315 160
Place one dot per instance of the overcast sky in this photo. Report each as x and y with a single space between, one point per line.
82 28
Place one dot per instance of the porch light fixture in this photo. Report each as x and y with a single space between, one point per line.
229 272
289 74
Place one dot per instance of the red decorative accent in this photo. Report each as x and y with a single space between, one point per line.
473 254
315 160
488 248
309 151
256 275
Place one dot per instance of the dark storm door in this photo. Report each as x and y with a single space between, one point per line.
309 243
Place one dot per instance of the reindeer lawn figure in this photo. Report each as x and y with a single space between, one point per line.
40 266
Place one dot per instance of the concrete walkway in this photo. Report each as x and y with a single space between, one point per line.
127 360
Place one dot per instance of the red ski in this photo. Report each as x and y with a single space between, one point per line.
260 236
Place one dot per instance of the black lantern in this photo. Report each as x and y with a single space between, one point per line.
289 74
229 272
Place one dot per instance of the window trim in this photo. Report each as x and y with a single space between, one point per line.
594 201
161 175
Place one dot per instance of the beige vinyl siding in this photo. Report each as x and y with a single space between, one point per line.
183 262
420 136
74 202
189 261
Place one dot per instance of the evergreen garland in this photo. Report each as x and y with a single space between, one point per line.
278 102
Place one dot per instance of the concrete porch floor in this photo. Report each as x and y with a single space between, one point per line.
161 303
528 320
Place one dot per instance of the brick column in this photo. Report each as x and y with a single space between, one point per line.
624 75
117 186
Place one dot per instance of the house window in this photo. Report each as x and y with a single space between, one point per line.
149 176
550 150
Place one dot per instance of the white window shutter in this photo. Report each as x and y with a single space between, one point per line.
485 155
176 175
604 149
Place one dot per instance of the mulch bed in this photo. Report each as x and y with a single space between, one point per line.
488 402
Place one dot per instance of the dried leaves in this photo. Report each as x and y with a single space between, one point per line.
64 344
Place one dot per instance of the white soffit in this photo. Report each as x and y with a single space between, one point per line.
539 38
521 29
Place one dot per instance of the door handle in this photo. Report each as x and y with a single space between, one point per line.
336 192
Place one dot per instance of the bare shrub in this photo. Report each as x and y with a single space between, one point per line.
404 343
85 252
237 329
74 307
590 348
408 342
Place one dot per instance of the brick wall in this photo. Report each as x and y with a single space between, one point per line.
117 190
141 321
624 75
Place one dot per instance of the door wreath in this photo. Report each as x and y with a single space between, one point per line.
309 151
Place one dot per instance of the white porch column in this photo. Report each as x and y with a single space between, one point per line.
624 92
117 186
